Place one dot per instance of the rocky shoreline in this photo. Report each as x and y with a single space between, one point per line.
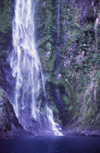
78 132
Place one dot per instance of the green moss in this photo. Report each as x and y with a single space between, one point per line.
43 40
66 100
48 46
48 65
5 16
76 78
70 108
1 93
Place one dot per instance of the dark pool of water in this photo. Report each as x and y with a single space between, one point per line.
51 145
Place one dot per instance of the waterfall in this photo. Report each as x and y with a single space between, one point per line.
53 125
24 61
26 69
57 96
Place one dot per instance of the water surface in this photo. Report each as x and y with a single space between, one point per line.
76 144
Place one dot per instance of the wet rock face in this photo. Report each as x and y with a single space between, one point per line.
6 16
77 77
84 6
9 125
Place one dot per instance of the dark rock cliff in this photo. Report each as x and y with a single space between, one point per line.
9 125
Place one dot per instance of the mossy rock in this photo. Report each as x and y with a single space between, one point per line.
48 46
9 125
6 15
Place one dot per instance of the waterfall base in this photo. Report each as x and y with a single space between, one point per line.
43 124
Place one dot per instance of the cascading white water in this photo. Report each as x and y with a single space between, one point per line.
24 61
54 126
26 66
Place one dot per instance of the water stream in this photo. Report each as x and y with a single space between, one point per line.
27 71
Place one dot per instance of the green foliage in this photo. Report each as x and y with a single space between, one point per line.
48 65
78 47
70 108
1 93
43 40
5 16
66 100
48 46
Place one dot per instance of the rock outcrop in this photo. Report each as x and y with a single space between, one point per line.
9 125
